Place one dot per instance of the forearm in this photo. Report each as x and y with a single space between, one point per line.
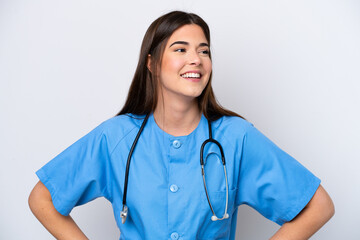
318 211
298 229
61 227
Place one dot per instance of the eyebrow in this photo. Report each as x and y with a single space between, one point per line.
186 43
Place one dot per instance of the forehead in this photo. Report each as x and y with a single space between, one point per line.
189 33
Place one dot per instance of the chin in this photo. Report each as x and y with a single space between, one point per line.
194 94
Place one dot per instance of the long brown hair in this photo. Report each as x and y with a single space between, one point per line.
143 93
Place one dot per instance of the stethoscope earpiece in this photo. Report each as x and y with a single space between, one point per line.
215 218
123 214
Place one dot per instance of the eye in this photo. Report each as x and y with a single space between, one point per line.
205 52
180 50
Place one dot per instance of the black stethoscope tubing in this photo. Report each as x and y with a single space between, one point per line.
129 158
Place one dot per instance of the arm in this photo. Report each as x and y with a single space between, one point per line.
316 213
61 227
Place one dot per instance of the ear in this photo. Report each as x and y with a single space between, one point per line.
148 64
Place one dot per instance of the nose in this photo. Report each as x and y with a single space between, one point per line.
194 58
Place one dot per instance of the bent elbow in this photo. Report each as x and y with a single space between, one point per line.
326 204
32 200
330 209
38 197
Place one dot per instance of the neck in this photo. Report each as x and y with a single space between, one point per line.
177 118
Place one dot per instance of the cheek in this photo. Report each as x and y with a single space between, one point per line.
172 65
208 66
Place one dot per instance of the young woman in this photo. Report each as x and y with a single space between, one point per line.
174 163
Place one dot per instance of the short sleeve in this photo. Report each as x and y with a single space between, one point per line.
271 181
79 174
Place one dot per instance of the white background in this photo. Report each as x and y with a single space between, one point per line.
290 67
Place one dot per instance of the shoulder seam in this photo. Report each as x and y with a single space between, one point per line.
127 133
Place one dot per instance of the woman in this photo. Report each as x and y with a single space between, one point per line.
169 113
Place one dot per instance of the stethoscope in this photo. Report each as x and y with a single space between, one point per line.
124 212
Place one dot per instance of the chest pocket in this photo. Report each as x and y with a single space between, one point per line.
220 229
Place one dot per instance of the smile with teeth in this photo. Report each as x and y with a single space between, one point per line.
191 75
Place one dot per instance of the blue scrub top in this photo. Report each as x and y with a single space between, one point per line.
166 196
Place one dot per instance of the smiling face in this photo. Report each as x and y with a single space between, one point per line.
186 65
